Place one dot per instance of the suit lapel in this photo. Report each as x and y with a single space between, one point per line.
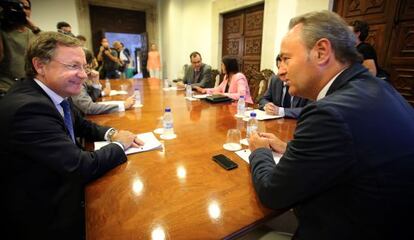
346 76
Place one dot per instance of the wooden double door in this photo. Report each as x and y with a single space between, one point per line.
391 34
242 37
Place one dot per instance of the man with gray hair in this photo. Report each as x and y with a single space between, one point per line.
44 169
349 171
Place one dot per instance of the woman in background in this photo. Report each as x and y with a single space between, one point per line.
234 83
153 62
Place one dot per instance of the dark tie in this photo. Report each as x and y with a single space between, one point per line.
286 98
68 118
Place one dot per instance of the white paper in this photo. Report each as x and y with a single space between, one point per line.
192 99
245 153
260 115
121 106
116 92
201 96
149 139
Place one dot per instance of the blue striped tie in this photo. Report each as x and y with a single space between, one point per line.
68 118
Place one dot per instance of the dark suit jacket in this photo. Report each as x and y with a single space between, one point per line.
349 171
204 80
274 94
43 173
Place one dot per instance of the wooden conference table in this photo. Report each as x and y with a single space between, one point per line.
177 192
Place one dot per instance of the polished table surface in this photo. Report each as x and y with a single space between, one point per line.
177 192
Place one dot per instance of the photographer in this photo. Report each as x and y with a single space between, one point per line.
110 60
16 31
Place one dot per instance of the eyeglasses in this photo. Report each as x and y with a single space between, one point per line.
75 67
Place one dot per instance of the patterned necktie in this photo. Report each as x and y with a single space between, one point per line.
286 97
68 118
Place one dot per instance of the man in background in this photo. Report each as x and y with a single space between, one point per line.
277 100
348 172
65 28
197 74
109 60
44 170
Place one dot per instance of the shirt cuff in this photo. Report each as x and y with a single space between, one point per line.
106 134
281 111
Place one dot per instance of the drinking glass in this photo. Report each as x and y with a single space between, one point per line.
233 140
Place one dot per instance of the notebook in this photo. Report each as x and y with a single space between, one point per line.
217 98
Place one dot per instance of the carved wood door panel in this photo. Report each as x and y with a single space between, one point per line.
391 34
242 37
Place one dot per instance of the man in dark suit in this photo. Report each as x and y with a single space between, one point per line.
277 100
349 171
44 170
198 74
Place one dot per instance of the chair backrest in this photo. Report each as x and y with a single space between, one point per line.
256 81
214 78
265 83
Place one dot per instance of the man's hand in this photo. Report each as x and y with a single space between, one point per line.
271 109
127 139
200 89
94 76
129 102
255 142
274 142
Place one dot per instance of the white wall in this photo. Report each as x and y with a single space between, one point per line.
47 13
185 27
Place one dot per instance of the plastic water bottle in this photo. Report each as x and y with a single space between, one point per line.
166 83
241 106
252 125
137 94
188 91
167 122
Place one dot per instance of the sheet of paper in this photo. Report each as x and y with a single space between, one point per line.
201 96
117 92
149 139
121 106
245 153
192 99
260 115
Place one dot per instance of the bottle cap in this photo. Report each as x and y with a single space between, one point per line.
252 114
167 109
241 96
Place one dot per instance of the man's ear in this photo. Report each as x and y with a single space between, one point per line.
323 51
39 65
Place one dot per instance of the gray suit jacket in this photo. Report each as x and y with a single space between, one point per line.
349 171
204 80
86 105
274 94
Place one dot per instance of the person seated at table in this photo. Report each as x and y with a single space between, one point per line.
348 171
44 169
277 100
234 83
91 90
197 74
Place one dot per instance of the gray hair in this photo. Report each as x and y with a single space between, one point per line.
329 25
44 46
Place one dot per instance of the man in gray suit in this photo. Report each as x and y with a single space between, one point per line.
198 74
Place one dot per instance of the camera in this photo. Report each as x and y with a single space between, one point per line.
11 14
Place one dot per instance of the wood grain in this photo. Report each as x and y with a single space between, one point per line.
177 192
